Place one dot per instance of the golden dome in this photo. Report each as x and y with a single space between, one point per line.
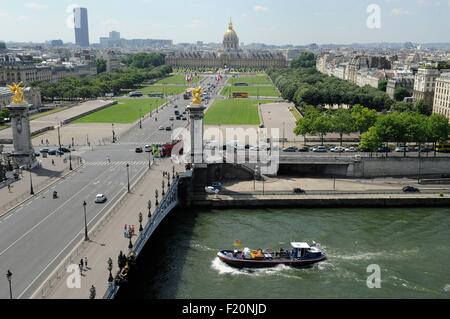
230 31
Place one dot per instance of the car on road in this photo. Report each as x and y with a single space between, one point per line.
100 198
351 150
298 191
44 150
162 128
64 150
303 149
178 118
211 190
139 150
135 94
337 149
217 185
55 152
172 118
147 148
320 149
290 149
184 118
168 128
384 149
401 149
176 112
410 189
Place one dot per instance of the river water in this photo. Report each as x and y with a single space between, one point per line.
411 247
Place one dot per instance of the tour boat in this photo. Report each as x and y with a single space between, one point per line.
301 255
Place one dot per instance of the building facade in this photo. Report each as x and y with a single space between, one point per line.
424 84
81 27
23 72
401 82
442 95
230 56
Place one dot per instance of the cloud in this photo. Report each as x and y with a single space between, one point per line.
260 8
36 6
400 12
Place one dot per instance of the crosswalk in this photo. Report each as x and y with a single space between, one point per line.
119 163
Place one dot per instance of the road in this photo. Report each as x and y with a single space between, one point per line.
35 236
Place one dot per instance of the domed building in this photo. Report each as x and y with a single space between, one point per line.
230 39
230 56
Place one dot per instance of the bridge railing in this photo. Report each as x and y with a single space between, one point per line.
168 202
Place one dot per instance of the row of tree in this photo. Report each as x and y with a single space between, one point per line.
97 86
306 86
376 129
144 60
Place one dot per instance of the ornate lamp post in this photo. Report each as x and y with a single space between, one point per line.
149 206
86 237
70 162
156 198
128 176
140 118
140 222
110 267
173 172
113 134
130 244
168 180
162 185
31 182
9 277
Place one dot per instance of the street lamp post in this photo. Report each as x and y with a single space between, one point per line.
173 172
59 141
168 180
70 162
113 134
128 176
31 182
156 198
140 222
140 118
130 244
149 207
110 267
9 277
86 237
162 185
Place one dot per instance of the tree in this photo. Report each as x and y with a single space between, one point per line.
423 107
402 107
101 66
370 140
322 125
382 85
2 46
437 129
305 60
363 118
400 94
343 123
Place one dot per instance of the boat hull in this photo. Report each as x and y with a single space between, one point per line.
267 263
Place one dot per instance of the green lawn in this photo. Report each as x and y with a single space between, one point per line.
126 111
251 80
177 79
234 112
167 89
251 90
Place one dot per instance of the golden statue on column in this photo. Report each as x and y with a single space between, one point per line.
197 96
17 91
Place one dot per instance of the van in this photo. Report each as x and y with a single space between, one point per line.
147 148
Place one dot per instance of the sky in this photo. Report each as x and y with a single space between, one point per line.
279 22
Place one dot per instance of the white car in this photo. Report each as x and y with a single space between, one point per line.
211 190
100 198
351 150
337 149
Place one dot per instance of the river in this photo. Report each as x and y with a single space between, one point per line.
411 247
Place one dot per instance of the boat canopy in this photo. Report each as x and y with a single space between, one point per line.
300 245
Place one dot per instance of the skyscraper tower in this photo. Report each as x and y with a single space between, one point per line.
81 27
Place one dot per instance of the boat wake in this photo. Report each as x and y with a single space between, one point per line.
447 288
201 247
375 255
280 270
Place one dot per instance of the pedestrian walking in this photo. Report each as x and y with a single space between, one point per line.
93 292
81 269
85 262
9 188
53 162
82 263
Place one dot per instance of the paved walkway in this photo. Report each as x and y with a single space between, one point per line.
278 115
110 240
41 178
55 118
